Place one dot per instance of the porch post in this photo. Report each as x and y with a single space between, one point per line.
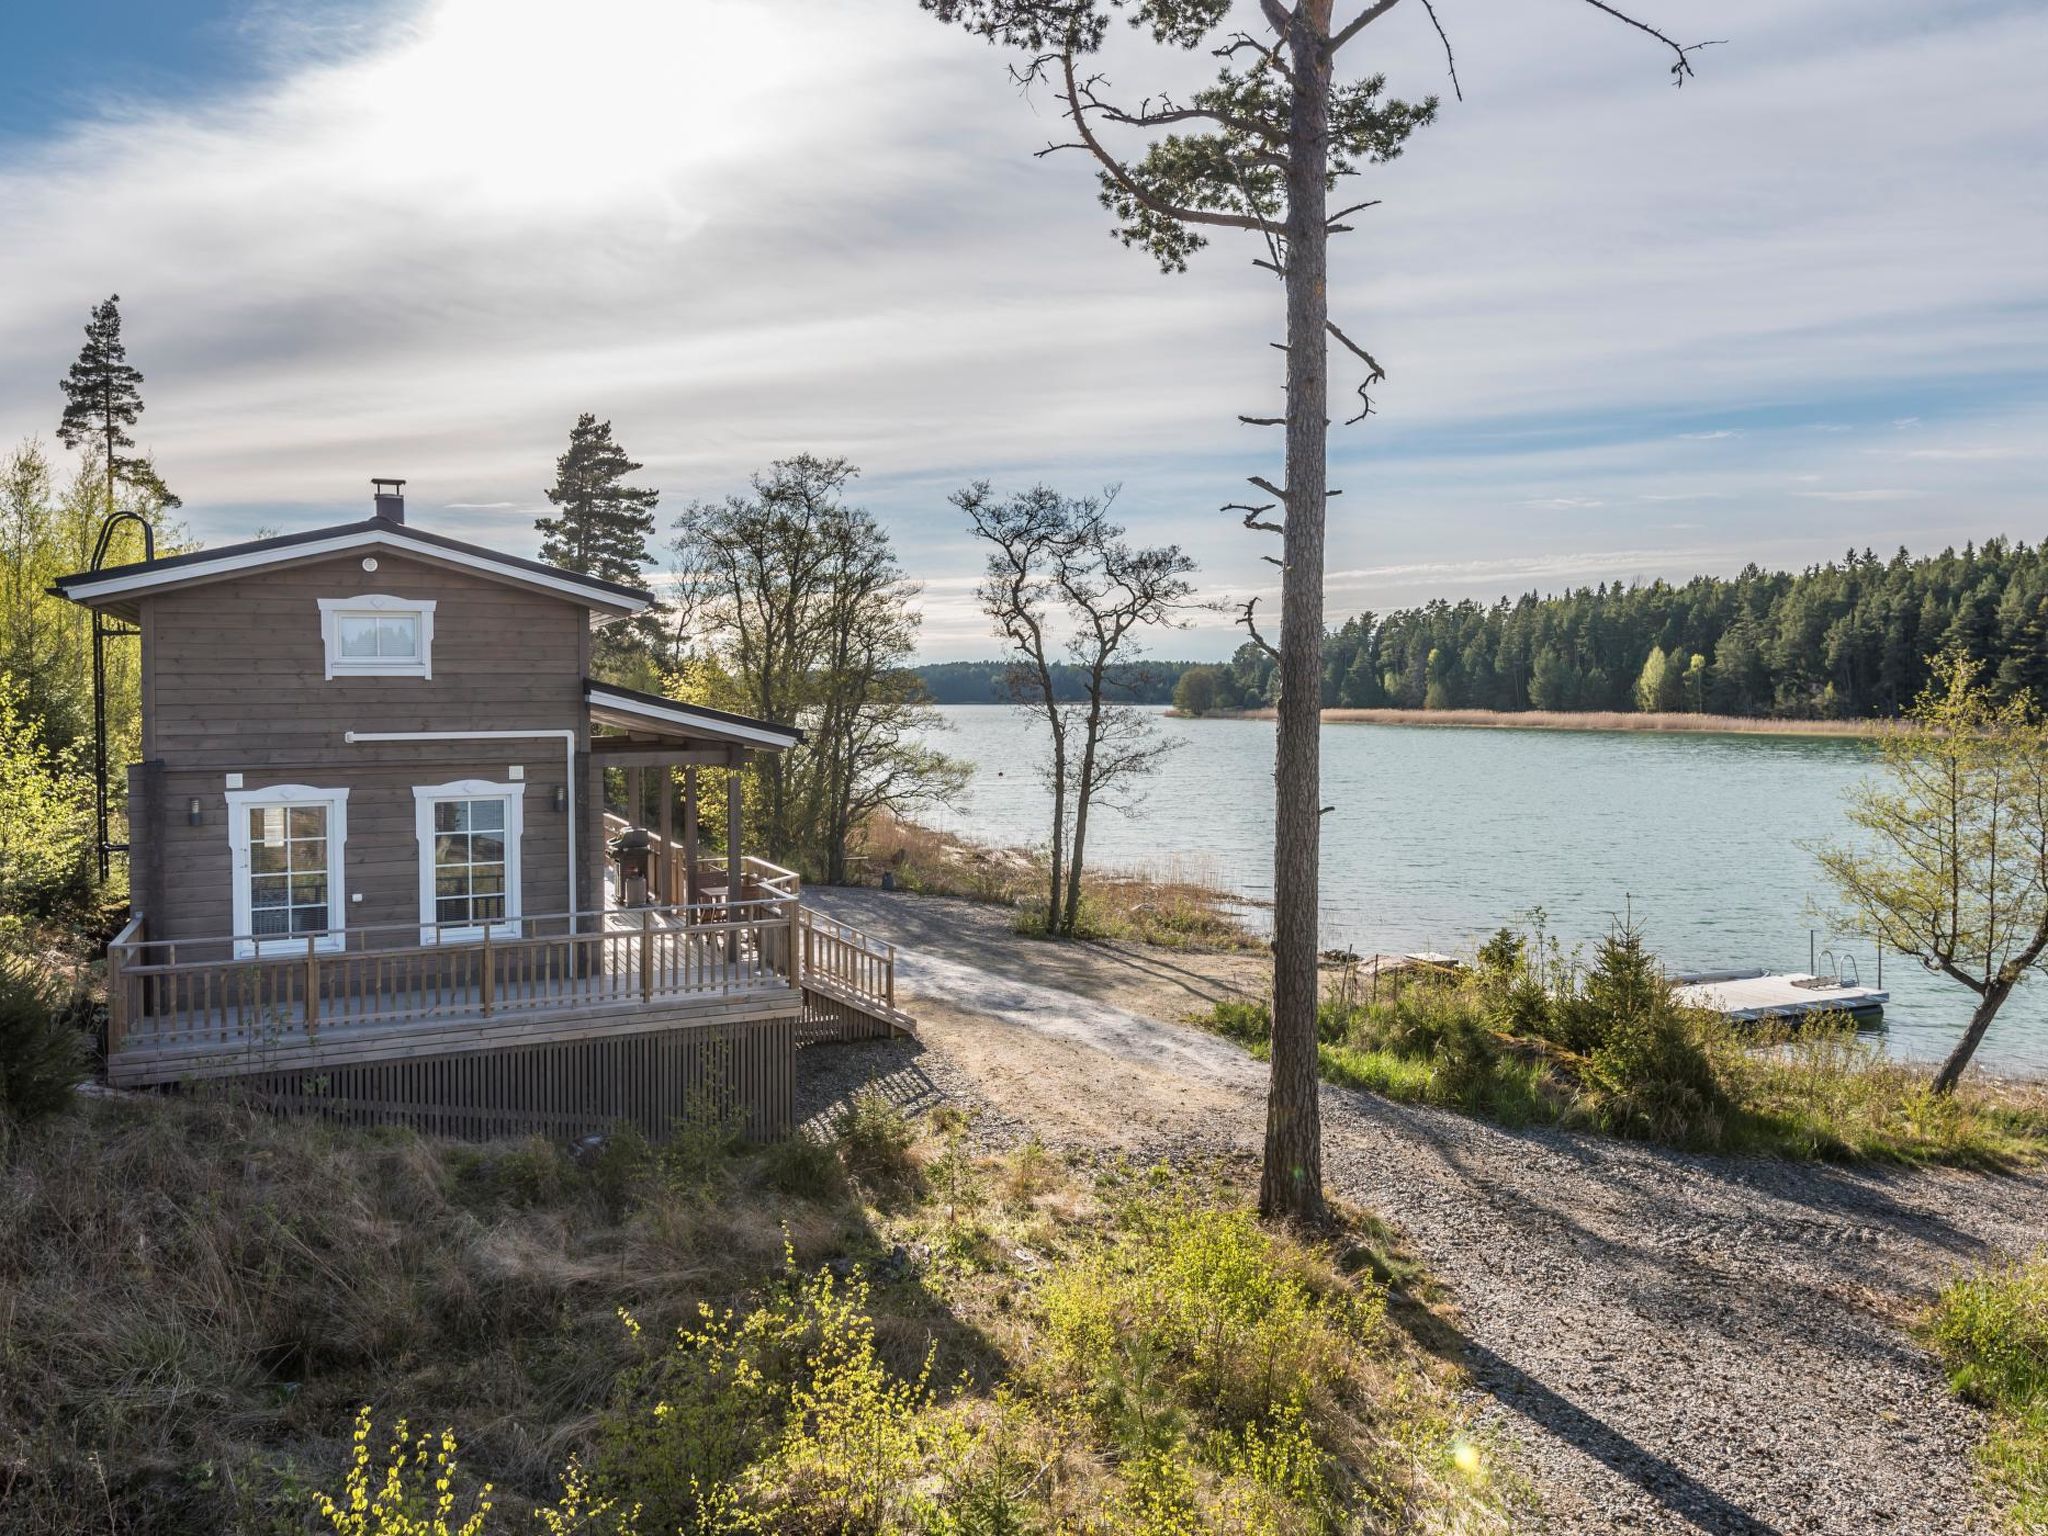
665 781
690 834
735 872
636 796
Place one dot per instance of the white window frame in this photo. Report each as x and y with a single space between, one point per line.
243 801
425 798
380 605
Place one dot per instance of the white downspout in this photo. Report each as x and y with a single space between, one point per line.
568 740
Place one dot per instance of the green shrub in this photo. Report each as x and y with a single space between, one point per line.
802 1166
1992 1330
696 1160
875 1138
1194 1310
45 816
1650 1059
1519 1040
43 1055
784 1417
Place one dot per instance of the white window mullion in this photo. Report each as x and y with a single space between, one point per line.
469 832
285 846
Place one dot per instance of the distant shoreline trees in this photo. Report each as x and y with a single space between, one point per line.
1849 639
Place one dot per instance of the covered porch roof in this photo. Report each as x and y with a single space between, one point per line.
645 729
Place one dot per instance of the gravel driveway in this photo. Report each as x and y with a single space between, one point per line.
1670 1343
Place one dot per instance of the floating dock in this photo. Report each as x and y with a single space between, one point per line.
1751 996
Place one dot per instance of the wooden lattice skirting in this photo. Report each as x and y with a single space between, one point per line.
829 1019
561 1089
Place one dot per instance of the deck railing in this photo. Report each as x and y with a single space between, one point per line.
669 875
835 953
203 994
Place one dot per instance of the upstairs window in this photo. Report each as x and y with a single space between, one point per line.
378 636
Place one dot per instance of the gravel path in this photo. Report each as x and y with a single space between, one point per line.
1671 1343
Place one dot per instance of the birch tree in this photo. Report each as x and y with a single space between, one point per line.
1954 867
1258 152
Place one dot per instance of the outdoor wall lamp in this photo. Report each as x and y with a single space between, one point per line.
195 813
561 797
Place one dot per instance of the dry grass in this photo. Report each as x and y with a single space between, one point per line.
1176 903
1587 720
196 1301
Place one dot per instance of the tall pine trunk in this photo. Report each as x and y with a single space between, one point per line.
1952 1069
1291 1185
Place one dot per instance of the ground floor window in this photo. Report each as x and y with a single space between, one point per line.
469 835
286 845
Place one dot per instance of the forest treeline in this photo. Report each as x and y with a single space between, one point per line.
1848 639
984 682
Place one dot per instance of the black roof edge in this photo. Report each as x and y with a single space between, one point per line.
701 709
368 525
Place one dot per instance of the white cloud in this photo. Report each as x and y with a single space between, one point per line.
740 228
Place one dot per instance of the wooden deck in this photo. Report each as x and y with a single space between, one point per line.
391 1020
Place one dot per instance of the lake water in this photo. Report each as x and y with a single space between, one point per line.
1441 835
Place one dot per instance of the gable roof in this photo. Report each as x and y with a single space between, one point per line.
116 582
629 707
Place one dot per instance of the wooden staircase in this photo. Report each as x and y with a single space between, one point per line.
848 980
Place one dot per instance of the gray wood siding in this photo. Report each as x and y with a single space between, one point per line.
235 682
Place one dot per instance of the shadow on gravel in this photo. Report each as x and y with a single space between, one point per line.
1200 988
830 1077
1676 1491
1858 1191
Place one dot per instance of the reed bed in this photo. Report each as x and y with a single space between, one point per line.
1178 901
1589 720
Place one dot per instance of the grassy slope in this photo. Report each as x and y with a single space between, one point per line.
195 1301
1817 1094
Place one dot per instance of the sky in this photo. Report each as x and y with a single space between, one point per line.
1798 306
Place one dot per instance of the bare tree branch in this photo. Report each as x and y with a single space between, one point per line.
1361 21
1450 59
1237 42
1251 516
1121 175
1682 67
1249 619
1168 114
1269 488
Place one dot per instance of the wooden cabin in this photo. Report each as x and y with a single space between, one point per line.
368 851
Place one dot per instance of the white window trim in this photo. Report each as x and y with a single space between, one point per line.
240 803
331 610
425 797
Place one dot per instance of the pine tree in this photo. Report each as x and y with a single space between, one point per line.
102 398
603 525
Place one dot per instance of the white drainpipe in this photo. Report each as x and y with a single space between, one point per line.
568 740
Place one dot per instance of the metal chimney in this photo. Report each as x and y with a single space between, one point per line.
390 499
